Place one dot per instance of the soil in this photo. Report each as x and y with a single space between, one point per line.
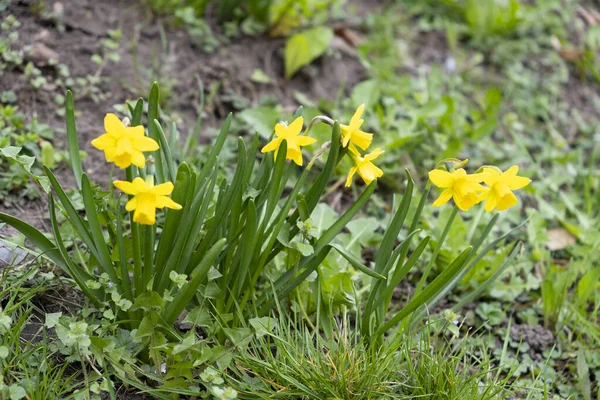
78 35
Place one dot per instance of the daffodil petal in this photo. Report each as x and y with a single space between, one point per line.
163 189
374 154
295 127
304 140
271 146
490 203
480 177
164 201
126 187
138 159
362 139
444 197
104 142
131 204
517 182
507 201
112 124
135 131
441 179
350 176
144 143
295 155
357 115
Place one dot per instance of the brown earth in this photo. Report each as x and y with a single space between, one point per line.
78 35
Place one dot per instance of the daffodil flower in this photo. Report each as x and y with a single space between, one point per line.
499 193
146 199
364 166
352 134
124 145
294 141
458 185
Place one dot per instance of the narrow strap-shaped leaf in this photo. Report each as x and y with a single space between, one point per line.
436 251
475 293
328 236
90 209
136 113
184 185
276 184
392 230
429 292
216 150
46 247
313 195
380 285
153 101
166 150
488 228
78 274
185 239
355 262
74 218
125 281
185 295
72 141
286 287
248 244
341 223
400 272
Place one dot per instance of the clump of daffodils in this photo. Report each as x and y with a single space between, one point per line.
466 190
352 137
125 146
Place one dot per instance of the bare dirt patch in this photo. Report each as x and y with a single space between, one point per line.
74 38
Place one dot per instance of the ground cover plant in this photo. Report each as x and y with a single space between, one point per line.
316 199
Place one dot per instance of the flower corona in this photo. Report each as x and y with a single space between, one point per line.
124 145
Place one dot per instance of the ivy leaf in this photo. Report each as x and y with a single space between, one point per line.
52 319
185 344
263 325
304 47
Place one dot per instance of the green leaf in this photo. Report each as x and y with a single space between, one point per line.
52 319
304 47
263 325
304 248
153 100
10 151
199 316
439 283
261 119
72 141
3 351
367 93
147 301
188 341
16 392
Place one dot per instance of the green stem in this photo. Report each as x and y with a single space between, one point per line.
438 247
135 238
148 253
474 224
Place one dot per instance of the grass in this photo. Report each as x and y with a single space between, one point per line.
496 89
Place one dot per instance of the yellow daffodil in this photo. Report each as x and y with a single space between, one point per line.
460 186
364 166
499 193
294 141
352 133
147 198
124 145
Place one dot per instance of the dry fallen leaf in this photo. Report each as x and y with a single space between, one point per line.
559 238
